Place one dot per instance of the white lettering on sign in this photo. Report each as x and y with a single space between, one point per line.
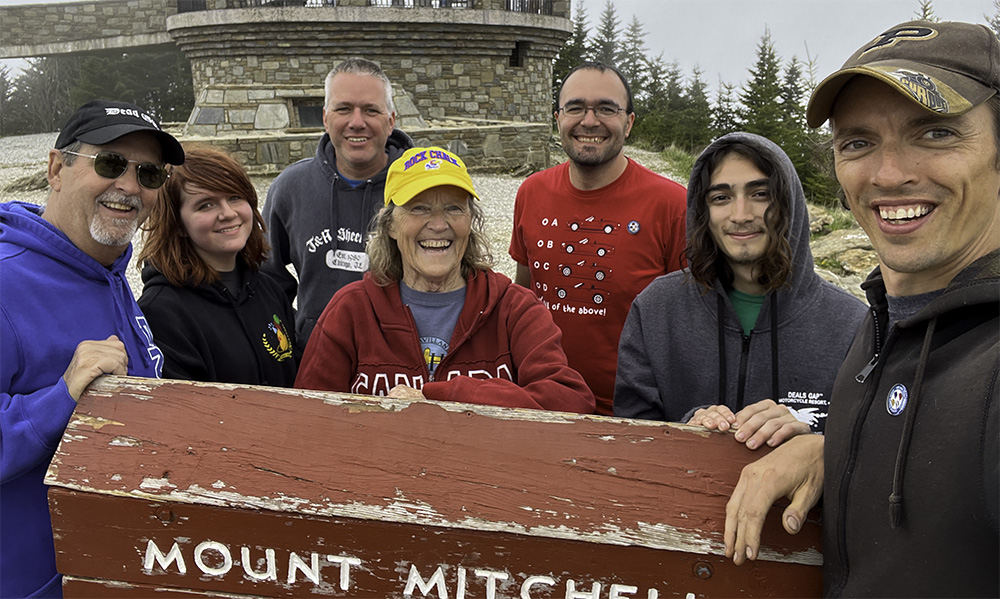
345 568
571 593
532 581
271 573
153 553
199 558
213 558
414 580
491 581
295 563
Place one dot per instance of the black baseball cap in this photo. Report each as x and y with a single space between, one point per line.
102 121
947 68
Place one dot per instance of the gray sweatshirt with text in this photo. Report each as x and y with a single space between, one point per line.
683 347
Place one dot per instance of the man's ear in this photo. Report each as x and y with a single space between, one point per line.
629 123
54 171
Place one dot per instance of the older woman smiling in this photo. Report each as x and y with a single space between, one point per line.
431 319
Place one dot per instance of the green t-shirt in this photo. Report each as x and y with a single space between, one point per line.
747 308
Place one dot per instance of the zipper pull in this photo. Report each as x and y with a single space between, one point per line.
863 375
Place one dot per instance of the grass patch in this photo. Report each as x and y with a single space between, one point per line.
842 219
680 161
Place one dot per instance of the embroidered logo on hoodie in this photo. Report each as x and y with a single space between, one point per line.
276 341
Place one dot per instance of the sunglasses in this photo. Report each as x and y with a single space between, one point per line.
112 165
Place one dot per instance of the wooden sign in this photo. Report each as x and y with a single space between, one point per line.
191 489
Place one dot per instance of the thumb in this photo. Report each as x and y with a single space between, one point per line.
112 338
792 519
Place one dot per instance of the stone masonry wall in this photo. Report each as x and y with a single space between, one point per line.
484 147
53 23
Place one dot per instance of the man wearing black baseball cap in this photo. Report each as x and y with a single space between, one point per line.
910 464
67 314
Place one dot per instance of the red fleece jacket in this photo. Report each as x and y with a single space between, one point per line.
505 351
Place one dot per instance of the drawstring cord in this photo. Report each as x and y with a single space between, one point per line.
896 497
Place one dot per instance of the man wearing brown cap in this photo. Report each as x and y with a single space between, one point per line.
910 464
67 314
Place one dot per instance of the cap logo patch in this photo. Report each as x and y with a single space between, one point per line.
900 34
114 111
432 165
922 88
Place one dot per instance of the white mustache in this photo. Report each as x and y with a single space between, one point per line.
117 197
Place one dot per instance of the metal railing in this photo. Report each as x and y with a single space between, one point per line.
538 7
423 3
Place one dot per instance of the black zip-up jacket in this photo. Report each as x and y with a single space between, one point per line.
911 500
208 335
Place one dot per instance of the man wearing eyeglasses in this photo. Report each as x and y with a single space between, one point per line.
591 233
67 314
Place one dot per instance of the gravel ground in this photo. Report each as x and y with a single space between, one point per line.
26 155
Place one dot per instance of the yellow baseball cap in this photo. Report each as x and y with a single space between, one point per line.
420 169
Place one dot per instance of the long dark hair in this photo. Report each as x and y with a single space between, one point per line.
705 260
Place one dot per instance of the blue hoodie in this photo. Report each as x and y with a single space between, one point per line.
52 297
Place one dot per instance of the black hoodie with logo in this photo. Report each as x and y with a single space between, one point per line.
912 451
208 334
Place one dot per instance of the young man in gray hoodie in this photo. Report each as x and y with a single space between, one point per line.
318 210
748 337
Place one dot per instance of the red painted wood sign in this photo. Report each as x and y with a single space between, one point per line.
191 489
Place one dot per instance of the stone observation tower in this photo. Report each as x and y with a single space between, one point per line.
471 75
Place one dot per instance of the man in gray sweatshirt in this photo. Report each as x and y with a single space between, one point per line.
318 210
748 337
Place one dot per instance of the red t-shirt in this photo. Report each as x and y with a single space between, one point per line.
591 252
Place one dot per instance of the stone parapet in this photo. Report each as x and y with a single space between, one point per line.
483 146
31 24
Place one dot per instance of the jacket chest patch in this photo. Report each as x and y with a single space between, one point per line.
895 401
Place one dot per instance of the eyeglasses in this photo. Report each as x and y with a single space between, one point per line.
112 165
601 111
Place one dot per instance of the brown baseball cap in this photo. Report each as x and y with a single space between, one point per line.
947 68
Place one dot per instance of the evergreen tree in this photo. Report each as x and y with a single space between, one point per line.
994 21
926 11
6 93
695 123
793 103
41 101
633 58
160 82
725 112
761 96
605 46
658 112
573 52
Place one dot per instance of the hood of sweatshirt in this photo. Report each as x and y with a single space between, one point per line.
798 214
212 292
23 229
397 143
483 291
29 230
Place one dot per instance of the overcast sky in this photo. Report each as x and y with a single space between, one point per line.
721 36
